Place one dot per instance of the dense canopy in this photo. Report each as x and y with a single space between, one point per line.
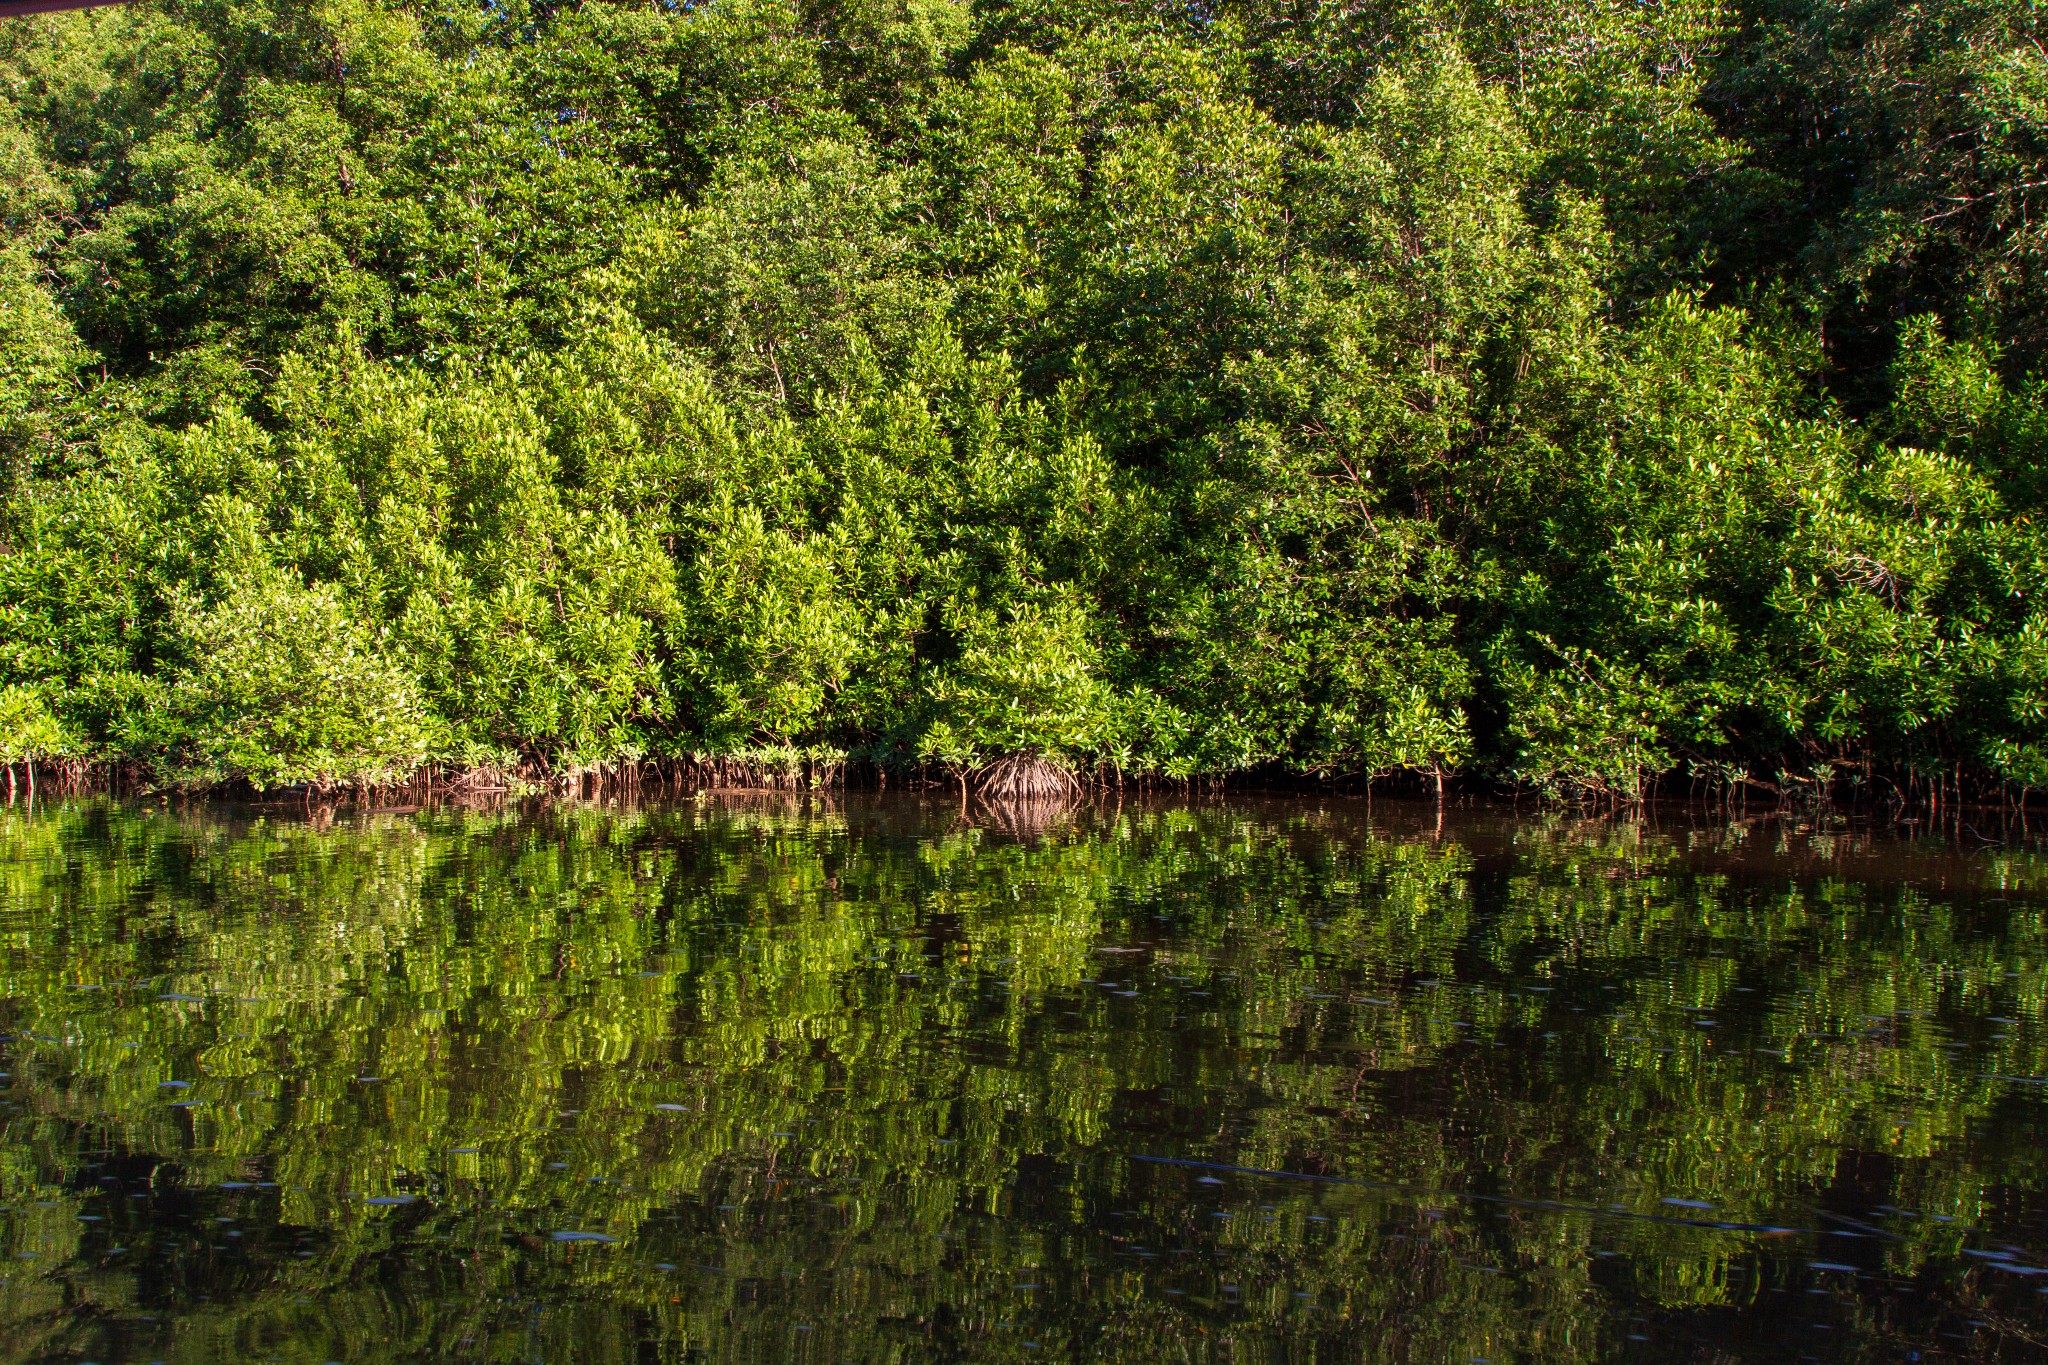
1569 392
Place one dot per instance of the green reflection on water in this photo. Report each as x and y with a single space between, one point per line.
870 1081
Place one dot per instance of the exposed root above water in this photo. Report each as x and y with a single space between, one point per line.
1024 777
769 769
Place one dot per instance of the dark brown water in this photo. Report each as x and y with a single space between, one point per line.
875 1081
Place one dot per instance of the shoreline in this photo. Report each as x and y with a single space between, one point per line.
1968 816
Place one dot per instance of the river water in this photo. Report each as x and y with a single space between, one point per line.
822 1080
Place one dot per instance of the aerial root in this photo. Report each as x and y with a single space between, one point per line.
1024 777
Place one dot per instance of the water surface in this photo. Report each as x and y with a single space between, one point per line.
780 1079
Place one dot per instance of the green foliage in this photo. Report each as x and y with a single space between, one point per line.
1584 726
1913 139
38 356
1029 684
282 687
1565 393
27 729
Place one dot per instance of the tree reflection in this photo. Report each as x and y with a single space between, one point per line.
876 1081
